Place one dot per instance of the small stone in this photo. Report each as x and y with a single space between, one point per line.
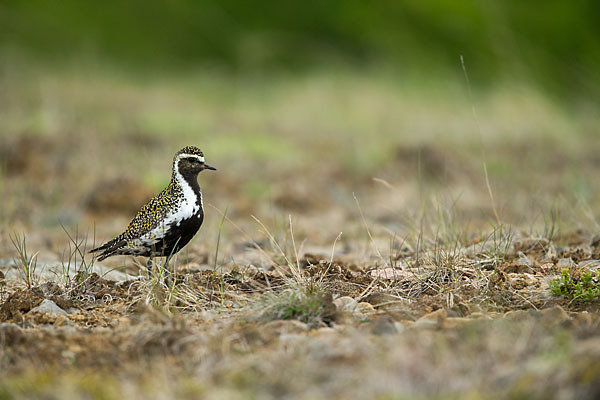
73 310
346 304
48 306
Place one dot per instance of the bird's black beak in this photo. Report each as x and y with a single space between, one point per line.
206 166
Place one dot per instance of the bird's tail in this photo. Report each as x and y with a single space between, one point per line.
109 248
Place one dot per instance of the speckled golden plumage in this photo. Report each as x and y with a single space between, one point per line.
150 215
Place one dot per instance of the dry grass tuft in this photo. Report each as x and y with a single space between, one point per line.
310 302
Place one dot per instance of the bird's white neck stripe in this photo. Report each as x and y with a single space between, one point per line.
188 193
178 175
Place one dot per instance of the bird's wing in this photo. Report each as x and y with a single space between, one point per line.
148 218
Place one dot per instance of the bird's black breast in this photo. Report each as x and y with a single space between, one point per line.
178 235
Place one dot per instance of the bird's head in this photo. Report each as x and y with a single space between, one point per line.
190 161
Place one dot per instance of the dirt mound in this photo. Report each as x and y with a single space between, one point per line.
24 300
118 195
28 154
95 288
21 302
432 163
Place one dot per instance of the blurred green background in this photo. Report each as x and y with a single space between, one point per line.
300 104
553 44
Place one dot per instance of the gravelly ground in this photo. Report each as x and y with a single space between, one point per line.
363 252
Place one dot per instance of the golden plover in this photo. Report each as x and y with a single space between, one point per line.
165 224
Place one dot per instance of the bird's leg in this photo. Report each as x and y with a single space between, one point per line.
167 271
149 267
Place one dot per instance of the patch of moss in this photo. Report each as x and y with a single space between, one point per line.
583 288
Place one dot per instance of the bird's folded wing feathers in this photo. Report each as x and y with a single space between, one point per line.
147 219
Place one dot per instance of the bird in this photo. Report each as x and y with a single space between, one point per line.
168 221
